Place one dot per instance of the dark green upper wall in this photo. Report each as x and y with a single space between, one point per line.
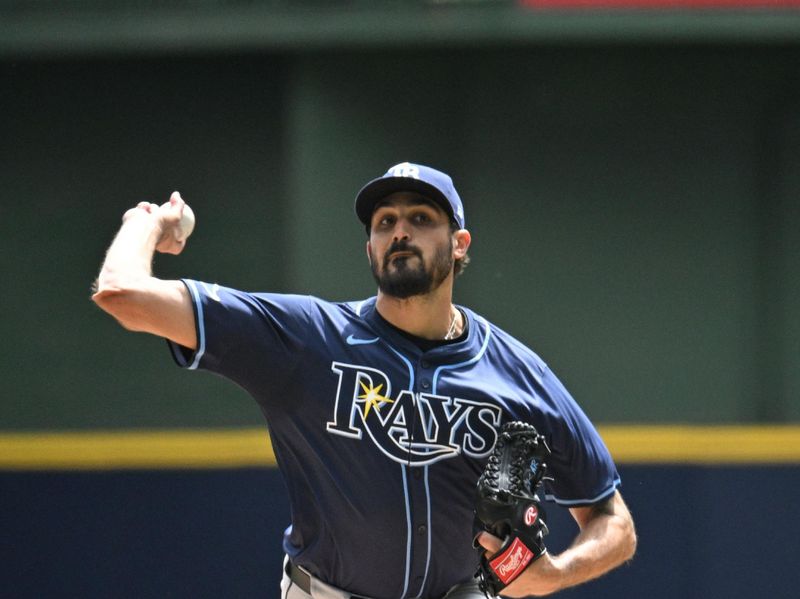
633 209
616 197
81 143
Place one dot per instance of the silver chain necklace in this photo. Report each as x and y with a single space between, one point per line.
451 331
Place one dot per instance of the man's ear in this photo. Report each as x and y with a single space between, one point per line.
462 239
369 253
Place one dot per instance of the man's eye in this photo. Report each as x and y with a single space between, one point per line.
422 218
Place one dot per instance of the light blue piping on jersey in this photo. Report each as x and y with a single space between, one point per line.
201 326
472 360
358 307
434 384
409 529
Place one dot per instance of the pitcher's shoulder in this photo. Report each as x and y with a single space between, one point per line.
500 341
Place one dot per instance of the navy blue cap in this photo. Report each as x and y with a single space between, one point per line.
434 185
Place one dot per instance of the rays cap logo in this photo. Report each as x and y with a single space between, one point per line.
406 176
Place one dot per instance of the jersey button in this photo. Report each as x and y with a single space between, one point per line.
426 384
417 473
422 529
425 364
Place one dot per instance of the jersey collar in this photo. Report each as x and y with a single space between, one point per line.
450 353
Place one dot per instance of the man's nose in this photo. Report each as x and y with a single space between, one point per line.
401 230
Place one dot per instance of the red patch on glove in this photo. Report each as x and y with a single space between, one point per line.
510 564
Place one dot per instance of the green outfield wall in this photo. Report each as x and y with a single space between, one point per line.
634 210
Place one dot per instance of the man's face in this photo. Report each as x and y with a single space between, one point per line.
410 245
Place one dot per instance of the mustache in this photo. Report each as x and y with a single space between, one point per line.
400 246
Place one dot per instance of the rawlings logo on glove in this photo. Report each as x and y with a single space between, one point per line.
508 507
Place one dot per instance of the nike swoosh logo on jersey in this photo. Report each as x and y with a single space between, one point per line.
356 341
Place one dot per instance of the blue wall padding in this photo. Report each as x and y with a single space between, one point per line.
705 533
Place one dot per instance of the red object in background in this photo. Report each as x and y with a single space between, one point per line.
691 4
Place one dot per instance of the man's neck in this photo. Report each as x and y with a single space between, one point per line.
429 316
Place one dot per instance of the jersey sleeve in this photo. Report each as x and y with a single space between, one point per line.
583 472
252 339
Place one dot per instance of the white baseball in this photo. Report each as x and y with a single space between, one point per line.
186 224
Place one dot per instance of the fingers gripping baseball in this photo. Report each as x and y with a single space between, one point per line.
177 223
174 219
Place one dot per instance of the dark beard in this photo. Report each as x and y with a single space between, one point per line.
406 281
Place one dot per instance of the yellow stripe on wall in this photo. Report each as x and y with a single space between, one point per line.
703 444
110 450
236 448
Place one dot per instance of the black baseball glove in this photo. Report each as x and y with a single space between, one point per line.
508 507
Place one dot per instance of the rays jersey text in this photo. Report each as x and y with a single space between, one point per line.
411 428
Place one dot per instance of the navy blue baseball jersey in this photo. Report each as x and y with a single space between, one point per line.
381 443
